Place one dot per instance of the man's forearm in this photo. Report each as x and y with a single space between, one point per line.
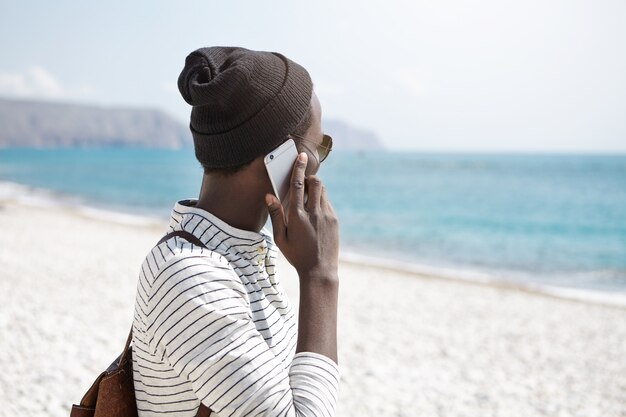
317 323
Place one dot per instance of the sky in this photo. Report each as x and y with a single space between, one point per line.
440 76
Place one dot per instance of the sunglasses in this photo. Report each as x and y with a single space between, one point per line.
323 149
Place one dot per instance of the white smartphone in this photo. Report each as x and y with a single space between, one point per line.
279 164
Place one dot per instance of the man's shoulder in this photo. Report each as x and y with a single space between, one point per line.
201 269
176 254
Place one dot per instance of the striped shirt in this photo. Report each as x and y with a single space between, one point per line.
216 326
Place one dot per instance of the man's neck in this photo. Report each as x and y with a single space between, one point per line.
231 203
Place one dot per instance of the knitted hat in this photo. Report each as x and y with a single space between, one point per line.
245 102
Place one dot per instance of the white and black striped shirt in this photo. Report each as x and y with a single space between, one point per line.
216 326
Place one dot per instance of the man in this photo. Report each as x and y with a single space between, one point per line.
212 322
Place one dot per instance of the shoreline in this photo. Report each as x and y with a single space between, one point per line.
483 279
26 195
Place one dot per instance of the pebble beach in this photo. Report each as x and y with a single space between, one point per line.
409 344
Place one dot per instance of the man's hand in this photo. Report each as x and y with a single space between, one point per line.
308 234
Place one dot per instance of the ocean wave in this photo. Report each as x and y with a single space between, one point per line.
43 198
510 280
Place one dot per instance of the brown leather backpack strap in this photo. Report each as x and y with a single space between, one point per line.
203 411
123 356
184 234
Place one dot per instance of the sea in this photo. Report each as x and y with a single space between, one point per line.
544 221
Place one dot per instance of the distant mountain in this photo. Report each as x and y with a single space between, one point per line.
40 124
48 125
346 137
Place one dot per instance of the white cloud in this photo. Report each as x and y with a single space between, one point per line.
37 82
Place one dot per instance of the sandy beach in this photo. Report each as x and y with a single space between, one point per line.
409 344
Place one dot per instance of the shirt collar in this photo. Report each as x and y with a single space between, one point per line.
215 233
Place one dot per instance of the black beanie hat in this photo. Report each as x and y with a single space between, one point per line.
245 102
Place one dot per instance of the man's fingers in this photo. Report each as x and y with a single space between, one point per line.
277 215
296 192
315 187
324 203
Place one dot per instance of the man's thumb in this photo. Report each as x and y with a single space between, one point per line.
277 215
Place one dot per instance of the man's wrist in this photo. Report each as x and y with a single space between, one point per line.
328 279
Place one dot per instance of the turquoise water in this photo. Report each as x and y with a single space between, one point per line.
552 219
